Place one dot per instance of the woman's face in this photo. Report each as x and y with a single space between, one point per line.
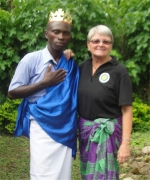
100 45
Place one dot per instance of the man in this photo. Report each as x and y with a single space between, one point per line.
48 83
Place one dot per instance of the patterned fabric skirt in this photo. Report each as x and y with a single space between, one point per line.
99 141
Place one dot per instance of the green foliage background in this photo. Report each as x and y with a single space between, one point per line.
22 24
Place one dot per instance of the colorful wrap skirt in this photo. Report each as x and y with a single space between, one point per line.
99 141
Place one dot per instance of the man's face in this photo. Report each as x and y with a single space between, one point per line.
58 35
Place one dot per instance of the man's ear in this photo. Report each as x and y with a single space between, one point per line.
45 33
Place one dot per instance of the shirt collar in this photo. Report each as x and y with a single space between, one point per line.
113 60
47 56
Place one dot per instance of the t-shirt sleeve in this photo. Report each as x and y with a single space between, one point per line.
125 91
21 76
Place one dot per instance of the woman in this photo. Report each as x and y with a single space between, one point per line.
105 109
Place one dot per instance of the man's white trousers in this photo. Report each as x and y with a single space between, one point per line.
49 160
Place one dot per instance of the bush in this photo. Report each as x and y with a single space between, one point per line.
141 115
8 114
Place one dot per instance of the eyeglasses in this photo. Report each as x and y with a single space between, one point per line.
97 41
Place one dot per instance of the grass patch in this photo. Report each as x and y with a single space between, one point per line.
14 156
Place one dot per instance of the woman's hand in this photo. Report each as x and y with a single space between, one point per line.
123 152
68 54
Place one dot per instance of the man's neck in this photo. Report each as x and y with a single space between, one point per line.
55 54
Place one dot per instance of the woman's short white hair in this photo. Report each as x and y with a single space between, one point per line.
102 30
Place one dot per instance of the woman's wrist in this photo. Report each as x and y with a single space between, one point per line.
125 141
